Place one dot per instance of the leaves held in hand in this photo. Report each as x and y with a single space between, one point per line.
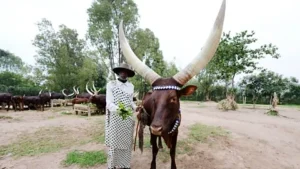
123 112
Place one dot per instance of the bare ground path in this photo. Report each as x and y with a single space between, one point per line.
257 141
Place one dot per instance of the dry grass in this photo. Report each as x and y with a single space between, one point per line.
5 118
198 133
53 139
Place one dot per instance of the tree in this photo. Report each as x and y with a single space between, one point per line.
234 56
60 55
206 81
170 69
146 46
292 95
104 19
264 85
11 62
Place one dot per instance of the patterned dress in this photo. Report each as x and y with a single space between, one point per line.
119 132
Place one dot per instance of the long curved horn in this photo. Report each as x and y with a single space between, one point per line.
94 87
207 52
133 60
77 90
74 90
40 92
95 90
62 91
66 94
87 89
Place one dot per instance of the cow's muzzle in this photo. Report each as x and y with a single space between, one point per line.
156 130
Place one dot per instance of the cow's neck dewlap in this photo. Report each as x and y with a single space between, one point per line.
177 123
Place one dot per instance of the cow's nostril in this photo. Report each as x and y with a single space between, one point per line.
156 129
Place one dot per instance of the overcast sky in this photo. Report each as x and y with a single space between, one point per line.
182 26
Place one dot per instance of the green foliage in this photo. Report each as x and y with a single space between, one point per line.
60 54
123 111
104 19
292 94
264 85
273 113
17 84
85 159
206 82
146 46
170 69
10 62
234 55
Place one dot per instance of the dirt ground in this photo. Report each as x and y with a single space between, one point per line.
256 141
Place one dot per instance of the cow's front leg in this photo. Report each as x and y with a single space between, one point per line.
173 151
154 150
8 105
160 143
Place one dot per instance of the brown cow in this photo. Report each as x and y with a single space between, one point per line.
79 101
162 105
98 99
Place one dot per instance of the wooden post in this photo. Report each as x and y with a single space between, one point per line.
89 111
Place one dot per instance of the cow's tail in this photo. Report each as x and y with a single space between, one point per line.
141 136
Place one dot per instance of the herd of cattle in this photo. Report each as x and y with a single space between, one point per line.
44 98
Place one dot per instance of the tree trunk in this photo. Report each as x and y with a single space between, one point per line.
254 101
226 88
207 97
232 88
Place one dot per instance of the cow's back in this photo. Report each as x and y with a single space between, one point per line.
4 97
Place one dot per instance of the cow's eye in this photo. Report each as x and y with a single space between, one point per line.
173 100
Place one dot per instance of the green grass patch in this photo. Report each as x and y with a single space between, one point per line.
5 118
200 133
86 159
66 113
45 140
51 117
98 131
273 113
290 105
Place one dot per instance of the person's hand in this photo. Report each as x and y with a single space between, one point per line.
138 112
138 108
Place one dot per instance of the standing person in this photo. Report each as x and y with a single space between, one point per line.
119 132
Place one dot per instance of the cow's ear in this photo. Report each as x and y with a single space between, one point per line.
188 90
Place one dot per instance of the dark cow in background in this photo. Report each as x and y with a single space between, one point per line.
32 102
162 105
6 98
44 99
37 101
55 95
18 103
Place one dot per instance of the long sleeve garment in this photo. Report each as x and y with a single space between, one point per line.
127 87
119 132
